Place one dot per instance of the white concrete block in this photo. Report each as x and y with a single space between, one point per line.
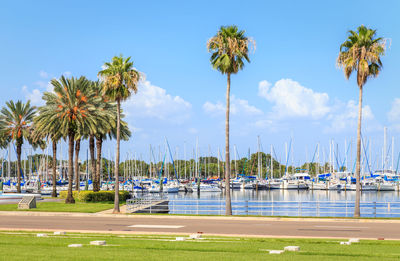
276 252
195 236
75 245
354 240
41 235
98 243
292 248
59 233
180 239
345 243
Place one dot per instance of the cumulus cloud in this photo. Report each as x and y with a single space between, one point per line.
153 101
237 106
290 99
35 96
346 116
211 108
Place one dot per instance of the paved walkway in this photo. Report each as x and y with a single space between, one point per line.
227 226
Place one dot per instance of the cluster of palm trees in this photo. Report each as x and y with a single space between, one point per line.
77 109
80 109
360 53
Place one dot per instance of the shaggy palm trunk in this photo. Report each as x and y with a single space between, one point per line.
116 171
99 143
228 206
70 199
358 167
54 167
76 167
92 164
19 146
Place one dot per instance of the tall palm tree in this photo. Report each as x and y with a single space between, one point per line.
16 124
111 133
42 131
106 118
120 79
76 164
230 49
72 105
361 52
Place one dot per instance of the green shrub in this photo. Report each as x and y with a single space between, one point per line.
101 196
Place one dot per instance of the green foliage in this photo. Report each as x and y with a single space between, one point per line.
15 122
361 52
120 78
229 48
101 196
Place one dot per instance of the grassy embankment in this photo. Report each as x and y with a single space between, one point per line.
60 206
26 246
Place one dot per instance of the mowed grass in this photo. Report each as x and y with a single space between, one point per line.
61 207
26 246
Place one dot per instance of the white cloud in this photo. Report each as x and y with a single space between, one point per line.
290 99
394 113
346 116
238 106
212 108
43 74
35 96
153 101
45 85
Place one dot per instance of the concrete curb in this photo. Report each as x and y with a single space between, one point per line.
100 214
176 234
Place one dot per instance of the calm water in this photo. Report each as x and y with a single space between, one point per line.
294 195
288 203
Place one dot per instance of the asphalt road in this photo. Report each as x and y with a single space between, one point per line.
208 225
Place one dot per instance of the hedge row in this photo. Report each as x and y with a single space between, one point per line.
90 196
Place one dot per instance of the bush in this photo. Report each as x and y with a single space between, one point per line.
101 196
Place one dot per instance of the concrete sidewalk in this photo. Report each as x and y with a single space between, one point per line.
108 213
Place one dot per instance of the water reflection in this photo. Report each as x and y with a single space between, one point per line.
294 195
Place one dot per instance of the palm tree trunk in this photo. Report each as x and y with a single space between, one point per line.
116 171
19 146
99 144
77 172
228 206
54 193
70 198
92 164
358 194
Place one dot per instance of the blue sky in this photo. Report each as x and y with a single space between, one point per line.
291 88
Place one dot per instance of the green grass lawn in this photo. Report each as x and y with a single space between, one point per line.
26 246
62 207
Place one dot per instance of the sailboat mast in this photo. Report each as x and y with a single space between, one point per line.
272 164
259 163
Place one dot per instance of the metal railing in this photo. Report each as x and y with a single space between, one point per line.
147 202
285 208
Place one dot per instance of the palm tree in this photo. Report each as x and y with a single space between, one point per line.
106 116
229 48
361 52
120 79
42 131
72 105
16 124
111 133
76 164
